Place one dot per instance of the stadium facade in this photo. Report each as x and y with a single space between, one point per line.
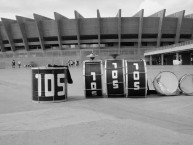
135 34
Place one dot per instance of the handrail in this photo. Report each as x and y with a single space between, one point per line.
171 46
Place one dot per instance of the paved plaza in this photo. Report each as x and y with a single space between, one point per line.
155 120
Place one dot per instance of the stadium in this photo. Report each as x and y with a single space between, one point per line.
59 37
101 101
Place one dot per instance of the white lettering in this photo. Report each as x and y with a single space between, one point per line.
93 75
115 84
51 78
93 86
136 66
136 75
59 76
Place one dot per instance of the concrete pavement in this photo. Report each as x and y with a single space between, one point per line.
144 121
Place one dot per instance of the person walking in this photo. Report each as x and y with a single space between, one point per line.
19 63
13 63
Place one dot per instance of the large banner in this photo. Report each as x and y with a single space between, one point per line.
92 71
136 78
114 77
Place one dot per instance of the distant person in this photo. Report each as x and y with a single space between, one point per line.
77 63
191 58
19 64
13 63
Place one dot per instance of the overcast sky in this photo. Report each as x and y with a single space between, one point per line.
88 8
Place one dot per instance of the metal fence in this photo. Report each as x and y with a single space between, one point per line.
61 57
171 46
79 53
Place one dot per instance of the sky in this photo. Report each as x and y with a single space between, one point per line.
88 8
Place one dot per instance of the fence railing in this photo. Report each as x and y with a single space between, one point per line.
171 46
68 53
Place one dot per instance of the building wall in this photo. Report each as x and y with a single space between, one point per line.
150 25
3 33
49 28
169 26
31 29
130 25
68 27
109 26
15 31
88 26
187 26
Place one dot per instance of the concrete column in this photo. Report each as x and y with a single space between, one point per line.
140 32
1 44
161 15
58 18
177 55
162 59
38 20
99 28
140 15
150 60
77 19
180 16
21 21
7 25
119 28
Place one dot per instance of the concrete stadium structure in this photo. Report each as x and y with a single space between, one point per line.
130 36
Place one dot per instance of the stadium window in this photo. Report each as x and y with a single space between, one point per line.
168 35
102 45
5 42
88 37
18 40
48 46
186 36
34 47
54 38
54 46
171 43
127 43
164 44
65 46
69 37
109 36
148 44
94 45
19 47
129 36
7 48
149 35
35 39
84 45
136 44
151 43
143 43
110 44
